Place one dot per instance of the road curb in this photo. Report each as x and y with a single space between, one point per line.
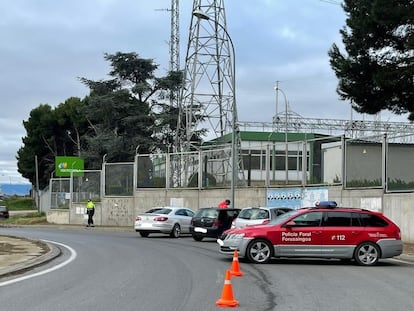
405 257
18 268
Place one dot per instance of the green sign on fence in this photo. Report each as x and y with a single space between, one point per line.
65 165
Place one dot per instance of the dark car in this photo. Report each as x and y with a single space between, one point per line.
211 222
4 211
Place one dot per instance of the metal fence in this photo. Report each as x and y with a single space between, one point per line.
64 191
87 186
382 161
371 162
118 179
203 169
59 192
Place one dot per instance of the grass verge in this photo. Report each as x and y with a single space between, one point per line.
16 203
26 219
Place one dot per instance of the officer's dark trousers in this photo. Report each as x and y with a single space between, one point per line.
90 211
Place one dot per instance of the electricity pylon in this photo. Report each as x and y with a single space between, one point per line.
206 103
207 107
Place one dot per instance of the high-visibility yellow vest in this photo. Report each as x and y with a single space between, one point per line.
90 205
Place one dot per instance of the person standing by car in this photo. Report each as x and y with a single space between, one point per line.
224 204
90 210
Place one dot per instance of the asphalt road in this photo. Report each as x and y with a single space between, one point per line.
118 270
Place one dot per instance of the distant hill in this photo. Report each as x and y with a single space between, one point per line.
15 189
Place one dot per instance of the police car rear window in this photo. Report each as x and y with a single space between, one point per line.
349 219
369 220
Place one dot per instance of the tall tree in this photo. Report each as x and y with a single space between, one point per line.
50 132
129 110
377 71
120 114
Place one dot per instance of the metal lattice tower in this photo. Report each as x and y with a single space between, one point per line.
351 128
175 36
174 42
208 93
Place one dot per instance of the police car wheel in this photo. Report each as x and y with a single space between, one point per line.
259 251
367 254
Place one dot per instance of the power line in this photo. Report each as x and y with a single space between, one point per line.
332 2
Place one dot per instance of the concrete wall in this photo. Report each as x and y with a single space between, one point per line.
58 216
121 211
332 162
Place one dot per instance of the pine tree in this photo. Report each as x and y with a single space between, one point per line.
377 71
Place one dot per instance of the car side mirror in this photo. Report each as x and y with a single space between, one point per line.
290 224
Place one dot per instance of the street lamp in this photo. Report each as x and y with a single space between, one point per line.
286 131
234 165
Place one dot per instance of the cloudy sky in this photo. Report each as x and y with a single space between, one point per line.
46 45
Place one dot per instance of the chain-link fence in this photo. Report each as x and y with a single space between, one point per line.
119 179
59 192
381 161
87 186
371 162
151 170
206 169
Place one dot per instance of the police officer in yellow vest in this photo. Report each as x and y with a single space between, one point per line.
90 210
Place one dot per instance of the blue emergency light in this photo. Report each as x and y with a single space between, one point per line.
326 204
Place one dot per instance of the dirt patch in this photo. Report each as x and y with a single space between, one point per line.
408 249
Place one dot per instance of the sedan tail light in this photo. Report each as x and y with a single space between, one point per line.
161 218
217 223
398 234
137 218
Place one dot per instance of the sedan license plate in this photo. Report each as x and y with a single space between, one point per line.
202 230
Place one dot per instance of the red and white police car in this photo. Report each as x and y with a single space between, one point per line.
324 231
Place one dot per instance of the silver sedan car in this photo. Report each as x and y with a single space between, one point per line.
169 220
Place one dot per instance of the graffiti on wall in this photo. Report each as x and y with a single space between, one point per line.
117 212
296 197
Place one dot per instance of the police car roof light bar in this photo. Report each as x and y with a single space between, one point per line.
326 204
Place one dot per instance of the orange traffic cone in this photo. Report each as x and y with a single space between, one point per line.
227 299
235 267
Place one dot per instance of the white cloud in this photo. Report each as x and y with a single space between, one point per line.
287 32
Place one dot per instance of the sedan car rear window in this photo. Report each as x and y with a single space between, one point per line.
163 211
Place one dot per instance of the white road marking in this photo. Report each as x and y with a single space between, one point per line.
61 265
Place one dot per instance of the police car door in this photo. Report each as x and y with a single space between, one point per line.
342 231
301 236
